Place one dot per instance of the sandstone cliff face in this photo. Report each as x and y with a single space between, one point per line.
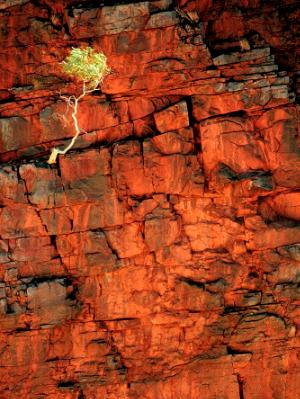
160 258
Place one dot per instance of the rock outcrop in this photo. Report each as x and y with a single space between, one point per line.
160 258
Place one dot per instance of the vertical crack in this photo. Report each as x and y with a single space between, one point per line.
20 179
241 386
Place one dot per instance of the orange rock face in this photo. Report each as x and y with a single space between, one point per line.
160 257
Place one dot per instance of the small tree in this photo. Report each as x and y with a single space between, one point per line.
90 68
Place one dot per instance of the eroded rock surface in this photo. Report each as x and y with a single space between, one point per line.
160 258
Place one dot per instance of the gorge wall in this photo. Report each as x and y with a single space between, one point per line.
160 258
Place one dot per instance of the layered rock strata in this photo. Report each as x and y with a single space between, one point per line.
160 257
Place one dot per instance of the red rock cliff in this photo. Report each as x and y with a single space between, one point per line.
160 258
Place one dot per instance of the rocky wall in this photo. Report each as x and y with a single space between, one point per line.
160 258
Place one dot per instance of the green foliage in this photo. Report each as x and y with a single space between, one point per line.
86 65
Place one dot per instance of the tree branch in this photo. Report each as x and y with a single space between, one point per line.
72 102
